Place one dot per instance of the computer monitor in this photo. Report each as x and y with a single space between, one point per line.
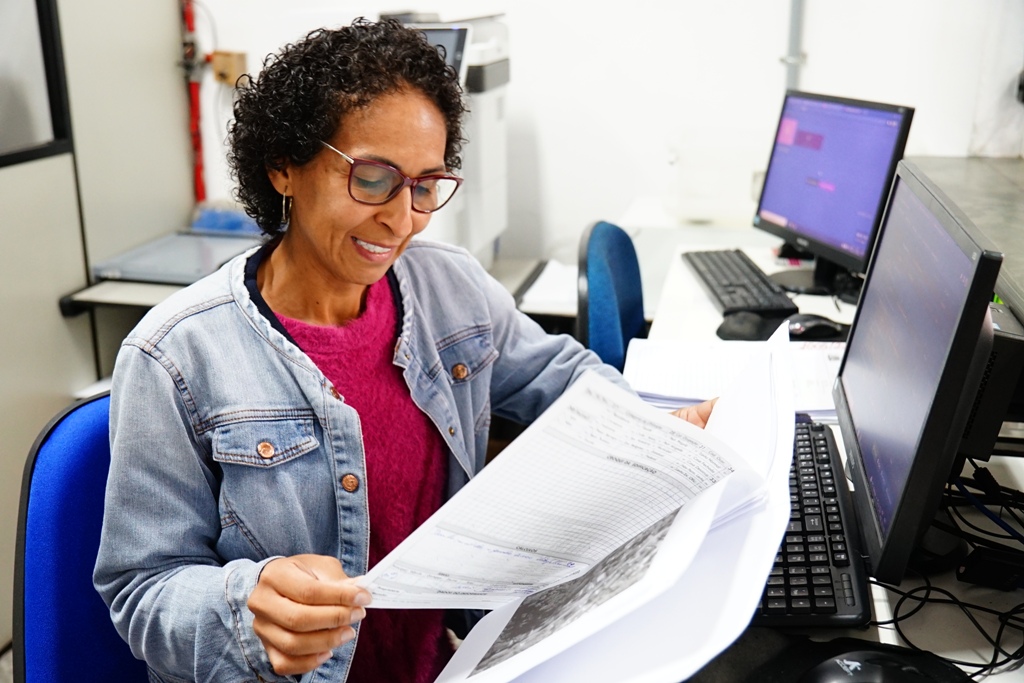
912 366
828 177
452 40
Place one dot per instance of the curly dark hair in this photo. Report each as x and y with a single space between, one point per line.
305 90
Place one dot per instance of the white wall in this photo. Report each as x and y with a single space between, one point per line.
129 180
955 61
44 358
680 100
129 118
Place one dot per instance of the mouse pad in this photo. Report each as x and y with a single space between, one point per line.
747 326
764 655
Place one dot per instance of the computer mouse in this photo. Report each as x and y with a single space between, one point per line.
812 326
865 666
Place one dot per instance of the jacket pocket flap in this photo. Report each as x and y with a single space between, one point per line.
463 358
263 443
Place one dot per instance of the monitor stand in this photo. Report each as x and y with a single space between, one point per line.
937 551
827 279
788 250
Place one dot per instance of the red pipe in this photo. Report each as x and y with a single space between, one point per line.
192 75
197 141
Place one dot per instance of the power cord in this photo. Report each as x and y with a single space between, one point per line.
1003 542
1011 623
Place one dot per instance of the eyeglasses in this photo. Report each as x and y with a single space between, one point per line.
372 182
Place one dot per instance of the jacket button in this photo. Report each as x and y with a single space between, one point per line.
334 393
451 431
350 482
266 450
460 371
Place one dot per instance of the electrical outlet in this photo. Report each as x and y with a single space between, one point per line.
227 66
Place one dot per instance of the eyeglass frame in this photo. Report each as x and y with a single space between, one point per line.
406 181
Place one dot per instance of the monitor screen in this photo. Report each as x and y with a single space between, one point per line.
913 361
828 177
452 41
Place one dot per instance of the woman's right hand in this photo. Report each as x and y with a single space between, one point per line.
305 606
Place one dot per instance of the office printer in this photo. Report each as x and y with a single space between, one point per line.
478 214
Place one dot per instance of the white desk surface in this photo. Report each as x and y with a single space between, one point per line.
684 312
683 309
510 272
125 293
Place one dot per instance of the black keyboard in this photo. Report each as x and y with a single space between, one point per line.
735 283
819 577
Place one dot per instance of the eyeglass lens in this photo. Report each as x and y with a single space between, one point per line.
375 184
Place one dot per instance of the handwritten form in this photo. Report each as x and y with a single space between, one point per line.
595 470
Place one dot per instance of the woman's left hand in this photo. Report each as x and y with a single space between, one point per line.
697 414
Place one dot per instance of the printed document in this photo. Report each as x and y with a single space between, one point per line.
595 470
663 605
659 372
606 522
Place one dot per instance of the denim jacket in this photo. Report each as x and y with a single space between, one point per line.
230 448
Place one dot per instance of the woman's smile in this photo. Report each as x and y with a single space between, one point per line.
376 250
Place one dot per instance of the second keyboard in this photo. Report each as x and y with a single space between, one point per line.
735 283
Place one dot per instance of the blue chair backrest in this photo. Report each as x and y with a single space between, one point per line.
62 629
611 302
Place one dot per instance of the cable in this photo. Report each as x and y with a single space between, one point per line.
214 42
988 513
891 622
1009 621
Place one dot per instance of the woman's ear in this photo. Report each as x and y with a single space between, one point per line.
280 178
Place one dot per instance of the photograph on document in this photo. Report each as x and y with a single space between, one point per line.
543 613
515 638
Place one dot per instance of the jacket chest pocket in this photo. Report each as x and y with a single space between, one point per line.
467 360
264 444
466 356
276 487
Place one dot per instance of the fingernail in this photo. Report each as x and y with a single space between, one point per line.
323 657
348 635
362 598
358 615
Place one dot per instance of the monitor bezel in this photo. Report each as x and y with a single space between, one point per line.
809 244
464 35
888 556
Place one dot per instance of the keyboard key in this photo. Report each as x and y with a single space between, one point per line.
825 605
800 606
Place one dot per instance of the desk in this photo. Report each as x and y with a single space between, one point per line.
684 312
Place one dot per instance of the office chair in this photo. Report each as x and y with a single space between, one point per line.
610 308
62 628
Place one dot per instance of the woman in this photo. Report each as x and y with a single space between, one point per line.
281 425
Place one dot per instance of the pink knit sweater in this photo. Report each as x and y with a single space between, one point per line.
406 468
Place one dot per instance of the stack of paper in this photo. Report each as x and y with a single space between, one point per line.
670 374
554 292
613 541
